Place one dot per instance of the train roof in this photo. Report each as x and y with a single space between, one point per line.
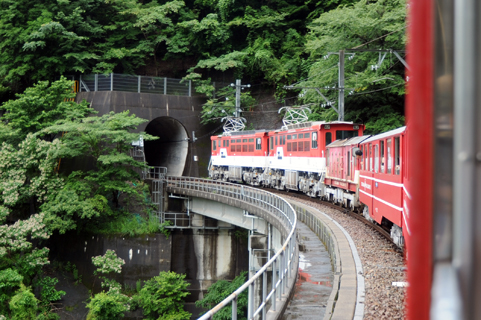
241 133
312 123
348 141
386 134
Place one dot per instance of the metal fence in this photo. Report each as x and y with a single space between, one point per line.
132 83
280 267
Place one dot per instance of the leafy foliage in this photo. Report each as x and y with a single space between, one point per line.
223 105
373 94
162 297
48 293
111 304
221 290
104 142
105 306
40 106
23 305
108 263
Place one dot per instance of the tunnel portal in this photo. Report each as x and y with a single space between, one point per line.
172 147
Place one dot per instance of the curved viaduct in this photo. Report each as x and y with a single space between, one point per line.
171 118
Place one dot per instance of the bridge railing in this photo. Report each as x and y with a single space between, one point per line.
281 267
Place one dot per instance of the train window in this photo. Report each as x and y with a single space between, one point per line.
251 148
376 158
238 148
283 140
396 156
232 141
306 146
294 146
272 143
244 148
349 162
344 134
232 148
238 140
294 136
306 135
244 140
276 140
382 156
366 157
251 140
214 145
289 137
300 146
301 136
289 145
258 144
227 143
328 138
389 157
371 168
314 140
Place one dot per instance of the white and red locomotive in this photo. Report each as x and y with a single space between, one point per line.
291 159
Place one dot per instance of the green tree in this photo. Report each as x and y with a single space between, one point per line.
104 142
373 94
162 297
221 290
39 107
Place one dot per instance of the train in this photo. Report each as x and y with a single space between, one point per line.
333 161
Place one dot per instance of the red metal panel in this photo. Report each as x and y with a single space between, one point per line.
366 188
387 199
418 171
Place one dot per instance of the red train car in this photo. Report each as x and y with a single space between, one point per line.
344 160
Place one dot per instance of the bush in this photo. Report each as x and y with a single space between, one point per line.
23 305
162 297
105 306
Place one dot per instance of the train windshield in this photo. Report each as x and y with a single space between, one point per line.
344 134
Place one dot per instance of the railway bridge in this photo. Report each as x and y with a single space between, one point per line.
273 273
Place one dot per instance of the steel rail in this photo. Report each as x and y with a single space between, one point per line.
282 262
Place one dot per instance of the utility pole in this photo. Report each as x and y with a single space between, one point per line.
238 88
341 86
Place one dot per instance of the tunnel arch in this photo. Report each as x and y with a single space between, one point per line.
172 147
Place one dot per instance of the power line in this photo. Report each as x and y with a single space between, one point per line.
387 34
361 93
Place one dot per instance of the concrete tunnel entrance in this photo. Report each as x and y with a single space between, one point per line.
172 147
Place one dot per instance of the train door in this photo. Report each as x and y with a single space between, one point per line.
366 176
